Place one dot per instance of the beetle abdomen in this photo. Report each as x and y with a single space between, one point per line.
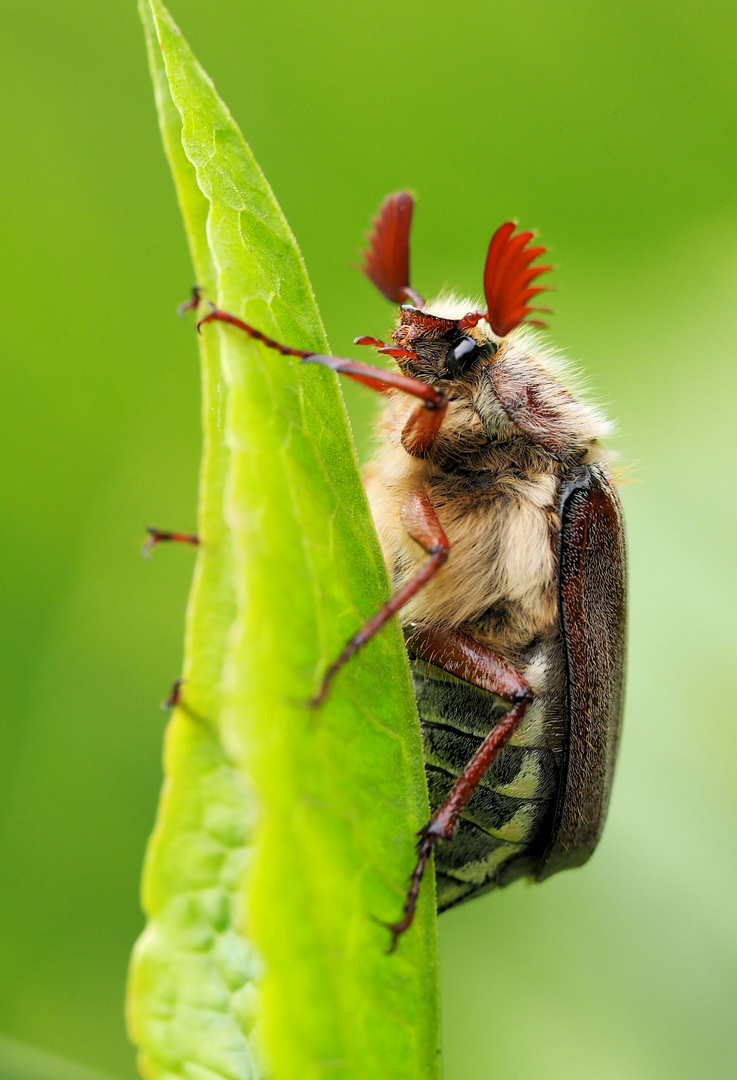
506 825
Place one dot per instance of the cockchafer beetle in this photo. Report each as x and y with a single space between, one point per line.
503 534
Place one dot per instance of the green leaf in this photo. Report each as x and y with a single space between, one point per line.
288 569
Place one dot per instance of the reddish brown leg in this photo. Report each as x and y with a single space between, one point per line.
420 521
193 303
374 377
466 658
175 696
158 536
418 434
424 423
176 701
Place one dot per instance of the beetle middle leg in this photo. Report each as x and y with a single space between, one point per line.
421 522
475 664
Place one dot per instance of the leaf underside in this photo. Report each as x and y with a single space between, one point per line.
278 836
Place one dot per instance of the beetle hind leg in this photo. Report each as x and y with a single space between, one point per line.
475 664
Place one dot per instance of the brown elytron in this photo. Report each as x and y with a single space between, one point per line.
503 534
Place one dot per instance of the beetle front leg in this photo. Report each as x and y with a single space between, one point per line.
421 522
418 434
420 430
475 664
373 377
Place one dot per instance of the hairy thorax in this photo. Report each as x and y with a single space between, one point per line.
499 583
492 476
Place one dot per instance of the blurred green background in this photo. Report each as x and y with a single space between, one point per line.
609 126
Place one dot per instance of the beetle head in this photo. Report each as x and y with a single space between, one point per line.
439 348
509 271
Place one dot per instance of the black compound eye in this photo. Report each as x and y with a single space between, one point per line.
461 356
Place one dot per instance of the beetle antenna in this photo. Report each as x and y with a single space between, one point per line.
386 259
507 276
